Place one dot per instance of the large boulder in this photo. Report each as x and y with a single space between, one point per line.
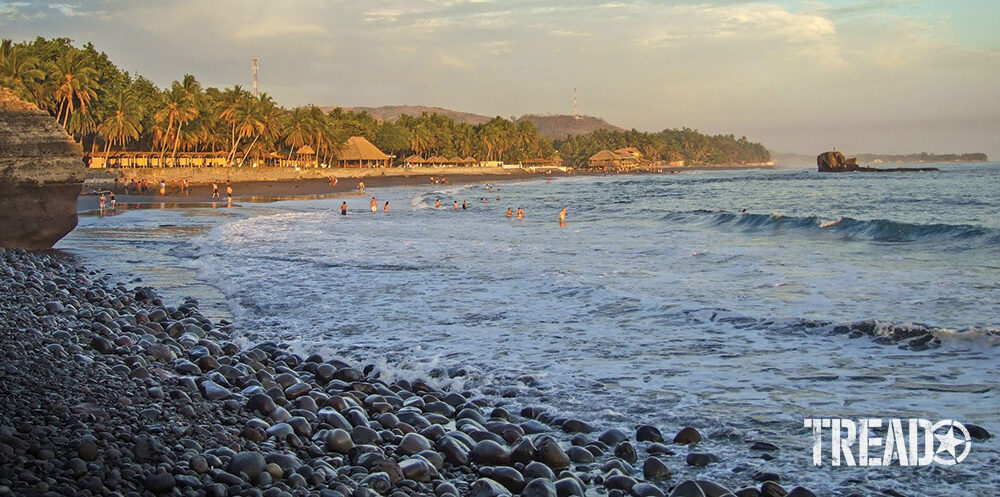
832 162
41 175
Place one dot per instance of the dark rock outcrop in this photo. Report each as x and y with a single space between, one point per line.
41 174
835 162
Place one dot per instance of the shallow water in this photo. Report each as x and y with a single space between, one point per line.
660 301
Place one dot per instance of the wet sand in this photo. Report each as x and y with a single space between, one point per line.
269 191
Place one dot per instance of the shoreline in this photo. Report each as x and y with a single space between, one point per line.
265 190
289 189
140 395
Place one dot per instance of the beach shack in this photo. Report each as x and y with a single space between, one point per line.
359 152
608 160
305 156
414 161
141 159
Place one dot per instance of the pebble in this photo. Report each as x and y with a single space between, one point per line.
540 487
647 433
687 435
699 459
655 469
160 483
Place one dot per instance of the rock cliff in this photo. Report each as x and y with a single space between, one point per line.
41 174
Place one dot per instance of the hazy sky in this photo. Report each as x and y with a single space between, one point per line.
800 76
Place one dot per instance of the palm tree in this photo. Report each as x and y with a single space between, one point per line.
19 71
297 130
124 123
191 91
229 106
76 83
178 107
82 123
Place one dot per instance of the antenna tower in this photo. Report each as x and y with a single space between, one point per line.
255 93
576 110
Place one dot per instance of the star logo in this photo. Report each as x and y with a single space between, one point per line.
948 442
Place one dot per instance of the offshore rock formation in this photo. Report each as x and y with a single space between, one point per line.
831 162
835 162
41 174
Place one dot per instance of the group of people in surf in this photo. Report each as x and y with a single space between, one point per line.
511 213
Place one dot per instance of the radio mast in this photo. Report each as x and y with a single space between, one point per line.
576 110
255 93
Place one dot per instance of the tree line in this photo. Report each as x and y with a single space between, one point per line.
668 145
923 157
107 109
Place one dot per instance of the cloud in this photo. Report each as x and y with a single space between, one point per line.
571 34
447 60
798 35
498 48
274 29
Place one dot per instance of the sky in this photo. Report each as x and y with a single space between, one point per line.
879 76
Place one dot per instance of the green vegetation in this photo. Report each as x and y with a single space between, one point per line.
667 145
107 109
922 157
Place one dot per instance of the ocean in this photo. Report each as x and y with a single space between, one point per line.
660 301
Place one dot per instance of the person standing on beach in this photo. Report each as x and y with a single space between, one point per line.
343 208
113 203
184 186
101 203
215 190
229 194
163 188
361 187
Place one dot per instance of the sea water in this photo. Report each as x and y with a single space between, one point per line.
660 301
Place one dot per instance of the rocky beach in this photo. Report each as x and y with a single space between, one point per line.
108 390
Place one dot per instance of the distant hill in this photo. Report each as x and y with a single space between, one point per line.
392 112
548 126
553 127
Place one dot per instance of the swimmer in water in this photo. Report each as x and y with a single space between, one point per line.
437 204
385 208
520 213
343 209
509 213
456 205
562 216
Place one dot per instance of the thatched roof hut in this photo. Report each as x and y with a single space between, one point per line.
605 159
470 161
456 160
305 150
414 159
359 152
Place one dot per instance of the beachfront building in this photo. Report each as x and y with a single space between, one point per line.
608 160
359 152
133 159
